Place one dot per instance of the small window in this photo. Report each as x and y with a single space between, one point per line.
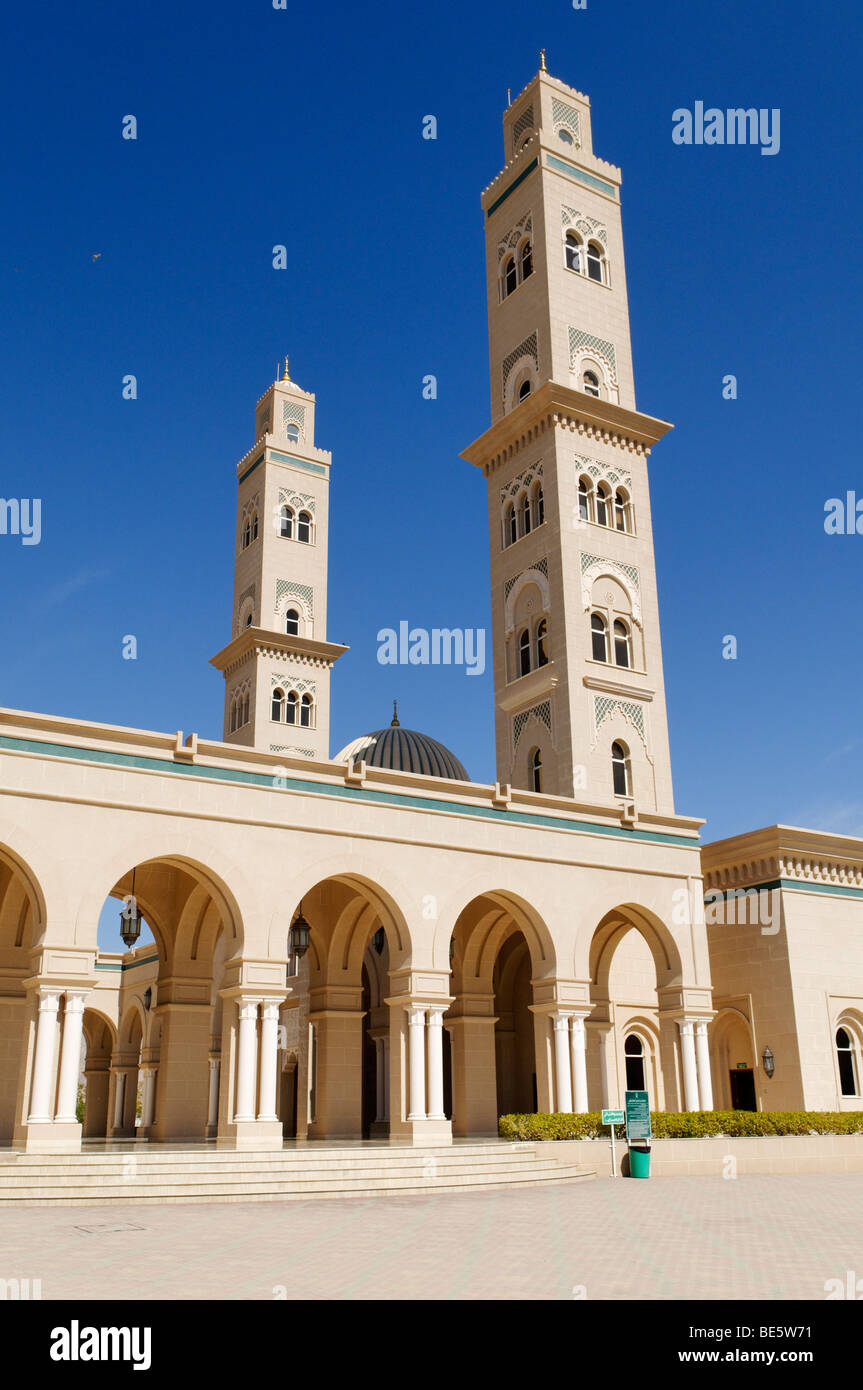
233 723
249 620
539 506
583 500
304 527
595 262
847 1062
292 623
622 652
306 712
525 517
510 276
590 382
255 526
526 260
511 525
292 434
524 653
291 708
542 643
573 252
603 498
277 707
565 135
247 533
599 637
620 511
524 390
620 772
633 1051
536 770
286 524
245 710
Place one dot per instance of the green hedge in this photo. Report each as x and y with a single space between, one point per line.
694 1124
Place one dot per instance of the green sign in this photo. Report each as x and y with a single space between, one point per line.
637 1115
613 1117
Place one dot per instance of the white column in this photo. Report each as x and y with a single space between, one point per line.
417 1050
269 1059
386 1106
119 1098
578 1042
42 1092
435 1056
70 1055
562 1074
702 1054
379 1080
690 1073
247 1058
605 1036
213 1099
148 1096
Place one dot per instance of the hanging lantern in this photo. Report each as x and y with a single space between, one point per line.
769 1063
298 941
130 918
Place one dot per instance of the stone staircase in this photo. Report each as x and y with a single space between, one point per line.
167 1174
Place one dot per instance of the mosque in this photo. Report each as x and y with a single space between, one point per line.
371 945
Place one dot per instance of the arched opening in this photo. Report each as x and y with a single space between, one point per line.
100 1043
21 916
732 1051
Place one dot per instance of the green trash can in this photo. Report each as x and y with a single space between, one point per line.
639 1163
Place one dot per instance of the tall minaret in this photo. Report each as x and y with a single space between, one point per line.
277 665
579 696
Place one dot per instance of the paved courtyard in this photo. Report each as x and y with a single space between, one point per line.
667 1238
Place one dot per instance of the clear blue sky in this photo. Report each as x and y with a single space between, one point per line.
259 127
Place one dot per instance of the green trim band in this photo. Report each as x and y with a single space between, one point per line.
513 186
132 965
581 176
787 885
298 463
367 794
250 470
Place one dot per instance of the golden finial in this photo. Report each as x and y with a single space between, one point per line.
395 724
542 66
286 375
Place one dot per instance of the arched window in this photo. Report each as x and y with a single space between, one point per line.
583 499
249 617
510 525
509 277
845 1053
292 623
565 135
292 433
306 712
525 515
245 713
233 723
620 769
595 262
291 707
599 636
286 523
277 707
538 505
603 499
524 653
536 770
633 1051
304 527
254 526
247 533
542 642
620 510
572 252
590 382
524 390
526 260
622 648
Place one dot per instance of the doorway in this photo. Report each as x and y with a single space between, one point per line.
743 1089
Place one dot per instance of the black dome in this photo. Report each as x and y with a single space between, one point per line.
404 750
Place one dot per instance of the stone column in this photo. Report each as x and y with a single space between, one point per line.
702 1054
269 1059
562 1073
578 1043
148 1097
70 1056
607 1067
386 1079
42 1090
690 1072
379 1081
213 1095
435 1064
247 1058
417 1062
119 1098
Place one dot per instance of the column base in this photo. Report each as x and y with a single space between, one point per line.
419 1133
252 1134
49 1137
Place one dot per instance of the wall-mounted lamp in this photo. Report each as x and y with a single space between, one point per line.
769 1063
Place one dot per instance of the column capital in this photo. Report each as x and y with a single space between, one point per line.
75 1000
49 998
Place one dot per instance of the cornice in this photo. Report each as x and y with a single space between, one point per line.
258 641
786 853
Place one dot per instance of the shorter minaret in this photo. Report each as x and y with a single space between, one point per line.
277 665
